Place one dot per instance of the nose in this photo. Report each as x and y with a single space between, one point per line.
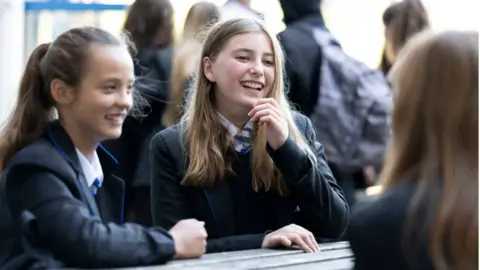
257 68
125 99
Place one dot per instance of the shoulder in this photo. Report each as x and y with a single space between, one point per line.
169 136
38 159
303 122
40 152
378 228
382 216
289 38
398 197
169 142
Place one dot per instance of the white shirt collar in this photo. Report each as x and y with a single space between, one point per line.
91 169
233 130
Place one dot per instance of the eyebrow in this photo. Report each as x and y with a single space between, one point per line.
116 79
252 52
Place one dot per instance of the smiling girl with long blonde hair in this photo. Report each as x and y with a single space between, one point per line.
241 160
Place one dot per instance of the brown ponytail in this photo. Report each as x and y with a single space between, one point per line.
32 112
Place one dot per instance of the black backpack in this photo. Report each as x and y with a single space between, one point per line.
354 105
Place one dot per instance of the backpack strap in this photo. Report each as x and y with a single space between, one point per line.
324 38
319 35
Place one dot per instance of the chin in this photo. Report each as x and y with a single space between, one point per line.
112 134
249 101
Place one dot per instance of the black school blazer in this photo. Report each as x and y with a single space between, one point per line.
50 219
323 208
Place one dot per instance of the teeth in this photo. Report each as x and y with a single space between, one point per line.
252 85
116 118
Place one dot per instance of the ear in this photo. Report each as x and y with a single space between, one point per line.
61 92
207 69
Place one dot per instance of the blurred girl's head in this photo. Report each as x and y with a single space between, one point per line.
186 55
402 20
435 140
150 24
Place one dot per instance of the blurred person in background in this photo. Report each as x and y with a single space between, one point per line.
239 8
427 214
150 25
186 56
302 65
402 20
303 56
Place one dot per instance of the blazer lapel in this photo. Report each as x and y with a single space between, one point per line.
217 197
61 141
109 199
111 196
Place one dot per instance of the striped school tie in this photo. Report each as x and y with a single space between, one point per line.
243 137
95 186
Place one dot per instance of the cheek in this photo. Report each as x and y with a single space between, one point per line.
235 70
270 76
98 102
386 33
389 52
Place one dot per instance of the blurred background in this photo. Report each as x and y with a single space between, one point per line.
356 23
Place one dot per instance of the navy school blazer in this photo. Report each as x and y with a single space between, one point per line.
50 218
323 208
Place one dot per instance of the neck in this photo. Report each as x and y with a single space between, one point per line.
239 118
81 141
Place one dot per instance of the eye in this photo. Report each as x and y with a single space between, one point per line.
268 62
242 58
110 87
130 88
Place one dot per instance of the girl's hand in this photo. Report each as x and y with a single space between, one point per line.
267 112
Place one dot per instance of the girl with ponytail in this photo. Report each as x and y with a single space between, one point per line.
61 205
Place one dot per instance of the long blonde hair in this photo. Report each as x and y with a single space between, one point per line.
186 55
435 142
208 141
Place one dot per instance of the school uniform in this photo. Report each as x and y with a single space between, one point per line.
61 210
236 217
379 227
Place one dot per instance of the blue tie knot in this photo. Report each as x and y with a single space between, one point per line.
244 138
95 186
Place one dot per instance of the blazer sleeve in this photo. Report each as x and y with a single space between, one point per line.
313 186
64 225
169 205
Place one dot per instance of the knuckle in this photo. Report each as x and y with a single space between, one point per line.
297 237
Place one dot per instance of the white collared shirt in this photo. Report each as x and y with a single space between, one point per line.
233 130
91 169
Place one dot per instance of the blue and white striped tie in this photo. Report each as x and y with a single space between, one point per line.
244 138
